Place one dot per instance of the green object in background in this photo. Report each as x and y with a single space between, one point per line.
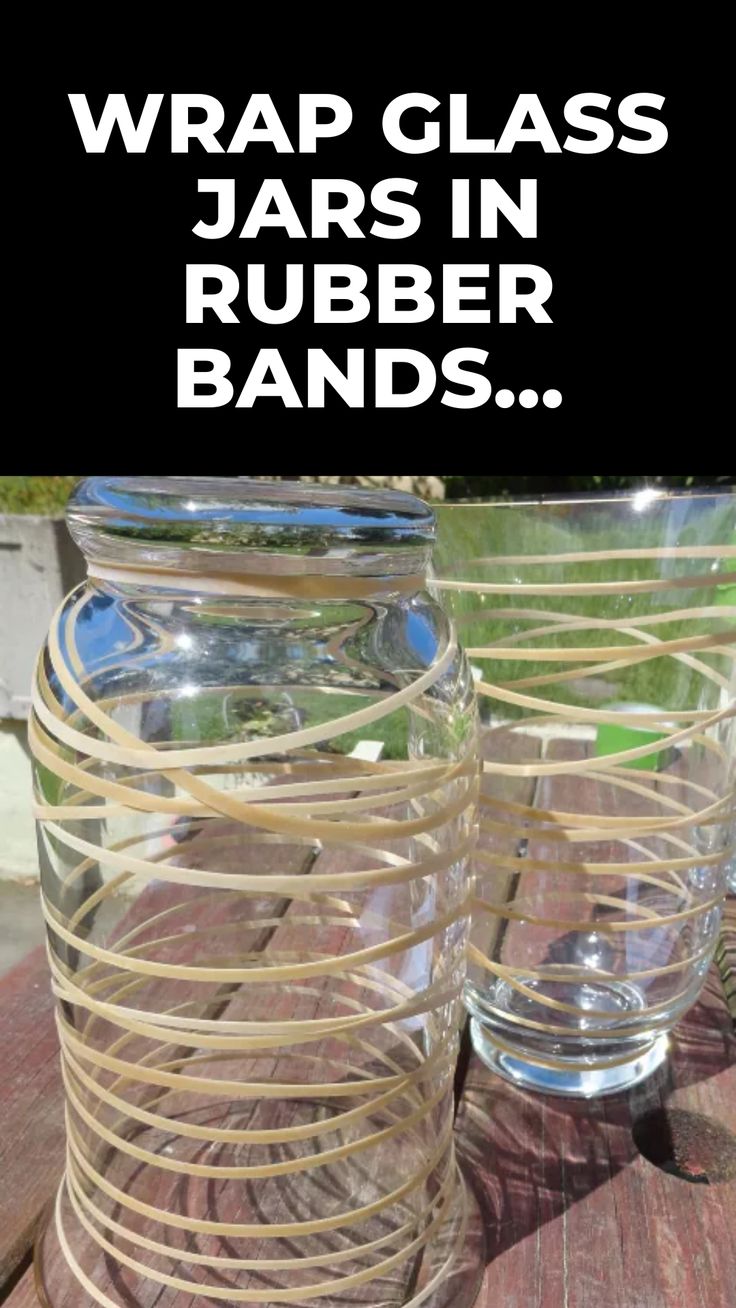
612 739
727 591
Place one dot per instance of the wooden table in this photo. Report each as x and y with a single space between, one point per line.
576 1215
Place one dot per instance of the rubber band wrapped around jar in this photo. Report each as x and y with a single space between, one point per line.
601 632
255 754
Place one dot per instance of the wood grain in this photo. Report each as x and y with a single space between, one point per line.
23 1295
574 1214
31 1106
726 954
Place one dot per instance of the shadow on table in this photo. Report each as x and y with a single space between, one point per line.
529 1157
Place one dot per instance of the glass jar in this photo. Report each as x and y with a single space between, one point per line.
601 632
255 768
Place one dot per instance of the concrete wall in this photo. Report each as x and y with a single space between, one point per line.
39 564
18 856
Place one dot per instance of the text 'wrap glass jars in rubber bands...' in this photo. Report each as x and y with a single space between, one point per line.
601 637
255 747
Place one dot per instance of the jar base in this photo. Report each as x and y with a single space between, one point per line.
575 1080
448 1274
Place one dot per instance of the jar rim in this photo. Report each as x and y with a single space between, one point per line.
214 522
644 497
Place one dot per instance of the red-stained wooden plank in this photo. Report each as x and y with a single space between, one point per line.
575 1215
31 1106
23 1295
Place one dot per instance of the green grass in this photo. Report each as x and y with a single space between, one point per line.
46 496
209 718
392 730
469 532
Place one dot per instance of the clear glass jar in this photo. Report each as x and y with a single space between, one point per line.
601 631
255 767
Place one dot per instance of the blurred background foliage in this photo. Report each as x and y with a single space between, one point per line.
43 495
48 495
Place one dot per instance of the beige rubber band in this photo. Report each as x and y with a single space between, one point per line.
338 585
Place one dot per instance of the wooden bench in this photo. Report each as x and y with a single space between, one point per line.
584 1204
